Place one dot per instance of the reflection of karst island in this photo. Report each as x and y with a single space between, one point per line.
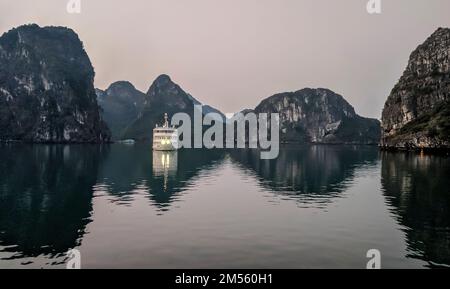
309 174
416 188
45 198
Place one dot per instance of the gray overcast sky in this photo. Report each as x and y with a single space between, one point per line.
233 53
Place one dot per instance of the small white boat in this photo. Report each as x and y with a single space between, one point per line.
165 138
127 141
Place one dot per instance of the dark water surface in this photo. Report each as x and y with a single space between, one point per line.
314 207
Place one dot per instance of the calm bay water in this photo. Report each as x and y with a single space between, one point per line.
314 207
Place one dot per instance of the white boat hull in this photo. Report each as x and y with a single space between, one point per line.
163 148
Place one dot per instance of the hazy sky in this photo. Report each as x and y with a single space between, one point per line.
233 53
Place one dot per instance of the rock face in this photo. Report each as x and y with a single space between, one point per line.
320 116
417 112
46 88
121 105
163 96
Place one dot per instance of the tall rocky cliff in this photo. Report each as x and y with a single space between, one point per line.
320 116
46 88
417 112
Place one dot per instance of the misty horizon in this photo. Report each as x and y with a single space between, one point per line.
232 55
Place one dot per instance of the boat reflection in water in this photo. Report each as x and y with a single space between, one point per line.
165 164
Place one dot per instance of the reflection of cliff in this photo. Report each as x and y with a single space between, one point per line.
413 186
161 175
45 197
308 171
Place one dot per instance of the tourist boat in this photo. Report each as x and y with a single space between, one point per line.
165 138
127 141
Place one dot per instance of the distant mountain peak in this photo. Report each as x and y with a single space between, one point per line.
163 86
308 96
441 30
121 84
121 104
319 116
163 96
162 80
